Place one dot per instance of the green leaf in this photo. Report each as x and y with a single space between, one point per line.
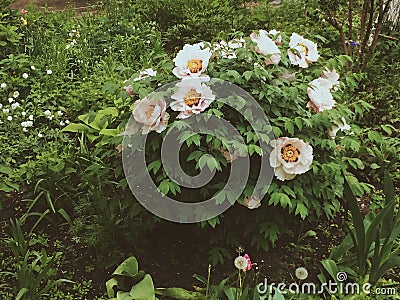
124 296
144 290
73 127
302 210
331 267
109 132
375 136
128 267
155 166
388 189
358 225
231 293
21 293
386 266
179 294
213 222
110 287
247 75
164 186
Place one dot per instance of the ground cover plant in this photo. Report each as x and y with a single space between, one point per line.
319 203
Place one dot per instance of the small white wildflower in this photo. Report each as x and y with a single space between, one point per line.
71 34
30 117
27 124
47 113
240 263
25 75
6 110
40 135
301 273
105 49
1 106
9 118
67 122
62 123
49 72
67 46
3 85
33 68
16 94
24 129
10 100
60 113
15 105
73 30
23 113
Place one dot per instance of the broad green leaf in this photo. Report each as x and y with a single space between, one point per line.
180 294
128 267
144 290
74 127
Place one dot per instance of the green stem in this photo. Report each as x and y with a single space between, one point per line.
208 280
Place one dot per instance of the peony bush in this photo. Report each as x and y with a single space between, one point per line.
304 96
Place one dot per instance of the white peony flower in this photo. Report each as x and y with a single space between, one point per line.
191 61
302 51
227 49
152 114
276 36
145 74
331 76
240 263
252 202
320 95
342 126
25 75
290 157
3 85
192 97
301 273
267 47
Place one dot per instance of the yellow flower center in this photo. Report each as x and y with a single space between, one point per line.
192 98
304 49
149 111
290 153
195 65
